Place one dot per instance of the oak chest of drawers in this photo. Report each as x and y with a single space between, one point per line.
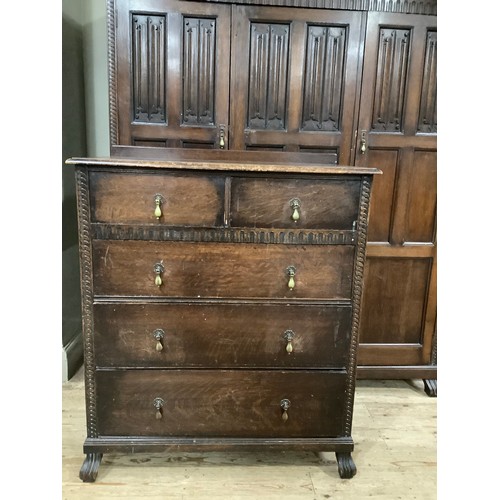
220 305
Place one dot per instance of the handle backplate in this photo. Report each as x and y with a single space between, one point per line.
285 405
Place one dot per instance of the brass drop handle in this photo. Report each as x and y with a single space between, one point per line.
285 405
158 202
290 271
158 404
288 336
159 335
222 136
295 204
363 147
158 268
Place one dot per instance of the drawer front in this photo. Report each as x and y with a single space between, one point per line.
129 198
269 203
127 268
221 403
221 335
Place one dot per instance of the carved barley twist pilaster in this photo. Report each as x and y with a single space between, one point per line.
113 107
356 300
83 202
434 354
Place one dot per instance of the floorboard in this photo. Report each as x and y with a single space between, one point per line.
394 429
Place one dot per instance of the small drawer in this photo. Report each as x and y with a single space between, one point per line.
226 270
157 198
221 335
225 403
295 203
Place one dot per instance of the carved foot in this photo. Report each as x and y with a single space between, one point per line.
88 472
347 468
431 388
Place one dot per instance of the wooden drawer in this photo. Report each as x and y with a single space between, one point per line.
129 198
223 403
221 335
127 268
268 203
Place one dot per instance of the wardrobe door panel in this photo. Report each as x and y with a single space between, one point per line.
397 133
294 79
172 73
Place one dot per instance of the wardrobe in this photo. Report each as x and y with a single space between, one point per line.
339 82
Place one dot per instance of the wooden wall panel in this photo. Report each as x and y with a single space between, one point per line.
427 120
148 68
268 72
381 205
394 300
390 83
422 195
302 81
324 77
396 132
198 71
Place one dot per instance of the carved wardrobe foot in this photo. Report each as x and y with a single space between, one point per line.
88 472
430 387
347 468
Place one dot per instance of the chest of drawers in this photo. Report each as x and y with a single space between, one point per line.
220 305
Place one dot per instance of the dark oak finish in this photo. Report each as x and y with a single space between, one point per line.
308 81
200 336
130 198
269 203
398 120
171 78
222 403
298 93
221 270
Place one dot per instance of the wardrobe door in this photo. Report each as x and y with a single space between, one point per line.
397 133
172 74
294 79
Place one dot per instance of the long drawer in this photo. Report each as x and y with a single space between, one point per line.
221 335
184 269
220 403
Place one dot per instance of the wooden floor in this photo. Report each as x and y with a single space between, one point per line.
394 431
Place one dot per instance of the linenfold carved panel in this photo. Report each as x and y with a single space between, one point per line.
148 68
268 76
390 86
427 120
199 71
324 75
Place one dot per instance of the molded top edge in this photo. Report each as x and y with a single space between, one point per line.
226 166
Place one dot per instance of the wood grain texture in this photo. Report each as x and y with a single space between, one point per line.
221 270
130 198
394 426
242 164
306 155
221 335
331 204
400 301
221 403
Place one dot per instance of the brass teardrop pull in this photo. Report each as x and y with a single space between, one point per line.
288 336
159 335
285 405
295 204
158 269
158 202
158 404
290 271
